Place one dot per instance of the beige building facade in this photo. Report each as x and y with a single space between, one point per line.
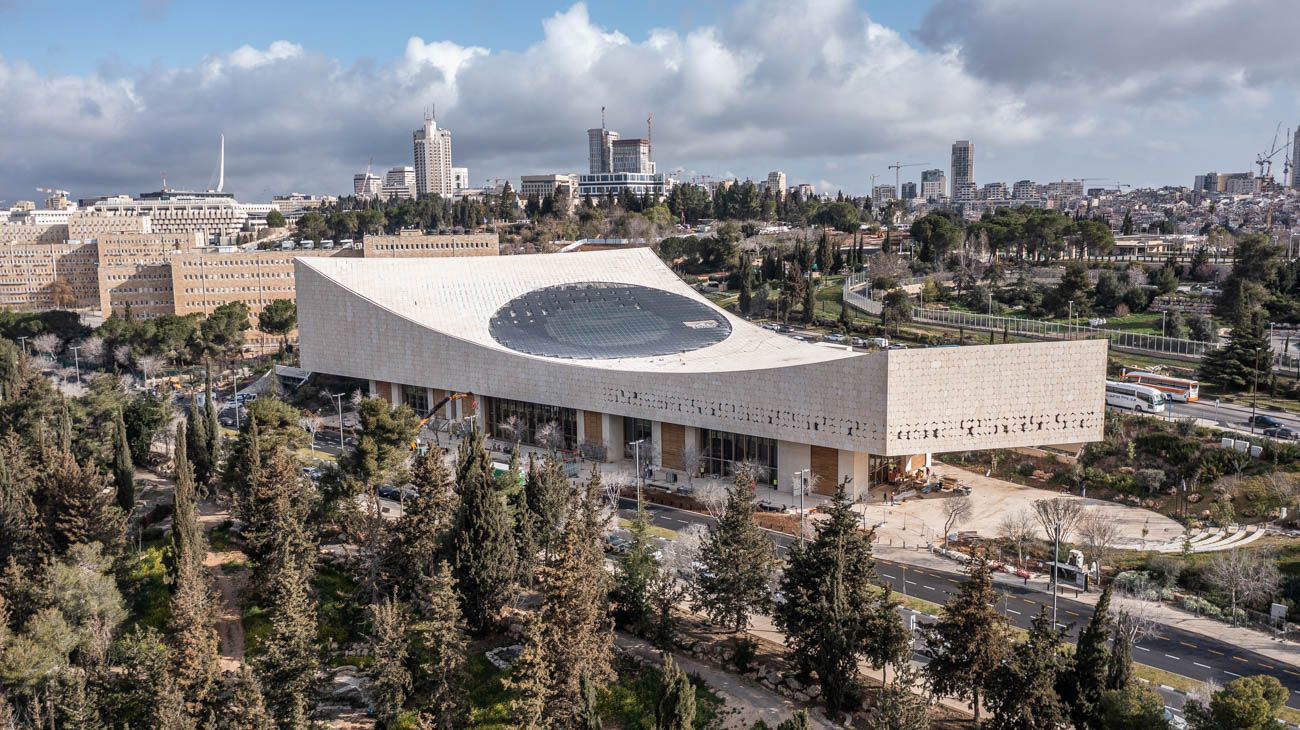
612 348
417 244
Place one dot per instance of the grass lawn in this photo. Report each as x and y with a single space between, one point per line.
653 530
143 583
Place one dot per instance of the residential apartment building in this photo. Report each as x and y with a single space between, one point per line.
963 164
294 205
1024 190
432 147
1239 183
882 193
400 183
775 183
934 185
554 184
632 155
459 178
909 191
994 191
806 190
964 192
366 185
1065 189
600 150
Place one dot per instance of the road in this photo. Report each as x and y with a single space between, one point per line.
1174 650
1228 414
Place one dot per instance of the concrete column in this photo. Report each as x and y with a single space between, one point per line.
615 438
790 458
657 436
853 465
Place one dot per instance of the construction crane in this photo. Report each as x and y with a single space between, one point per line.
1265 159
897 167
434 411
57 198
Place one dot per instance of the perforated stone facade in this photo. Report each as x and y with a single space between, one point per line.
372 320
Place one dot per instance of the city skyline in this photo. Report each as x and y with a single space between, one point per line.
718 82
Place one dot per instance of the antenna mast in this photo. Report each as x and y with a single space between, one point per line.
221 165
649 134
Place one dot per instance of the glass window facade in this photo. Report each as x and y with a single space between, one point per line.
635 429
417 398
531 418
722 450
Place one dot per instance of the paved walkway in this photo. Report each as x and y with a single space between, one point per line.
748 703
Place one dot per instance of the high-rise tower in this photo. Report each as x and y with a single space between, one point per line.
963 164
433 159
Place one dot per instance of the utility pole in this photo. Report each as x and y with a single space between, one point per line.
22 342
636 455
800 483
76 362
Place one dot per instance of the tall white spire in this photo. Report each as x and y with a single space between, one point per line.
221 165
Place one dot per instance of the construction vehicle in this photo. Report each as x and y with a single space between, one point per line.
434 411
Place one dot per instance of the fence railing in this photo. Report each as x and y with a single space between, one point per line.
1060 331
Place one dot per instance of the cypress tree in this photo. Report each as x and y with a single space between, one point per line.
738 560
571 640
829 615
968 641
287 665
21 535
186 538
123 469
78 510
675 709
75 708
246 710
1021 693
440 653
809 301
547 491
390 682
196 442
483 549
211 433
746 284
1084 683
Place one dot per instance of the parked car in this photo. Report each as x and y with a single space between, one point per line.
617 544
857 342
1262 421
389 491
1282 432
835 337
800 338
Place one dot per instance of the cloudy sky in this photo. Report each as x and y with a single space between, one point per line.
102 97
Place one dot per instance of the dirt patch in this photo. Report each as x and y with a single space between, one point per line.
229 571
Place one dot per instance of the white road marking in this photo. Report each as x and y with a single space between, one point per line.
1012 610
1143 648
1171 656
1203 666
1232 673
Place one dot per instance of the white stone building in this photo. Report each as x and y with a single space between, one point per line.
612 347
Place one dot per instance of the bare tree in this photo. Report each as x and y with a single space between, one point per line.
1059 517
1245 575
956 511
712 494
46 344
1099 534
149 365
122 355
1019 528
692 458
92 348
513 428
550 436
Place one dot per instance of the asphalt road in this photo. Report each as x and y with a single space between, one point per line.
1229 414
1173 650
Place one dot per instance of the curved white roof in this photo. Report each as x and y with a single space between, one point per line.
458 296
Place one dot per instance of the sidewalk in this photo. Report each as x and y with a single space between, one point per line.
1287 652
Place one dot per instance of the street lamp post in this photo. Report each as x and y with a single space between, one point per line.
234 379
22 342
76 361
636 456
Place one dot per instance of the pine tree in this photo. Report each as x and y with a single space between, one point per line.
829 614
547 491
635 573
1245 361
440 652
968 641
288 662
571 638
80 508
675 709
809 301
246 710
1084 682
75 708
420 533
798 721
169 711
483 549
737 561
1021 693
22 537
390 682
123 469
529 678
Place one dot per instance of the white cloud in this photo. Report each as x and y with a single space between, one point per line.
806 87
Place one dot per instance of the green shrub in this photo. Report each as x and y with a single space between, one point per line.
1026 468
1200 606
1164 570
1149 480
1132 581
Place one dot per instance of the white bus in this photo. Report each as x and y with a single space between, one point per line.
1177 389
1141 398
